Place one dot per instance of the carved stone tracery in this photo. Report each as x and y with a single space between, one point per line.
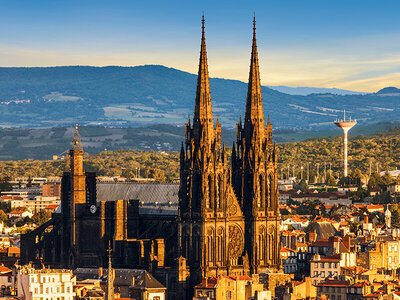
235 245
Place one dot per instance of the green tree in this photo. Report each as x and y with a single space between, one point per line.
382 198
302 185
331 181
3 217
5 184
374 181
395 214
41 217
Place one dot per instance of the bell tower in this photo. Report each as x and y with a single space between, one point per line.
255 173
78 180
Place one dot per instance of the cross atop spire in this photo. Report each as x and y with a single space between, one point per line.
202 24
254 25
76 140
203 118
254 106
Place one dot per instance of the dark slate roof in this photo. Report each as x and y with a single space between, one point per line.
135 278
324 230
154 198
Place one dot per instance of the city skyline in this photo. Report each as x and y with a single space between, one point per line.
342 44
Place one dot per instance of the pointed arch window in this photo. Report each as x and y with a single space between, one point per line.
218 192
261 190
210 191
260 246
270 187
196 184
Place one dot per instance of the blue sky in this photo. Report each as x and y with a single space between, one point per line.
346 44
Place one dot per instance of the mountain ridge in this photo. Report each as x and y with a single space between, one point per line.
154 94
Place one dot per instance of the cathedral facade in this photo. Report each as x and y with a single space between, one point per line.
220 219
229 217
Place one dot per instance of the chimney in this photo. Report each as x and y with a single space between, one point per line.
312 236
334 243
366 220
100 272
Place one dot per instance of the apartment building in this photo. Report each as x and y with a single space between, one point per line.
323 268
45 284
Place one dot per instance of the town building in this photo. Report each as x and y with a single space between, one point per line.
230 287
322 268
33 284
333 289
51 190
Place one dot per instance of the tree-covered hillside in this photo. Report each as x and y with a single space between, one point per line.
379 149
147 95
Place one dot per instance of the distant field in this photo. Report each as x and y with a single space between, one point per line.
43 143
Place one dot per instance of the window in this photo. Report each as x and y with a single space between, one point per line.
395 248
315 273
339 297
156 298
228 295
390 259
390 248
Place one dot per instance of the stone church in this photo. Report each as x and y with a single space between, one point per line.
220 219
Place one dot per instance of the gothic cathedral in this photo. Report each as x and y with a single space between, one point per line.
228 217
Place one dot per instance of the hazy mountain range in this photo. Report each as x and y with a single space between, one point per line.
146 95
305 90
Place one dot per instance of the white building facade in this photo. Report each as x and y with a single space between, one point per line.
45 284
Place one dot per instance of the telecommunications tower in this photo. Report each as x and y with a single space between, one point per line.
345 125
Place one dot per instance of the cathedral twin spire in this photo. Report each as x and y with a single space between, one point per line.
254 118
203 116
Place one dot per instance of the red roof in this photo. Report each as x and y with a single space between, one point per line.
17 212
4 269
375 206
13 250
54 206
332 258
321 243
360 284
284 249
337 283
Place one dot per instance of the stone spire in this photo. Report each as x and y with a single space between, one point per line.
76 140
388 217
254 119
110 276
203 122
